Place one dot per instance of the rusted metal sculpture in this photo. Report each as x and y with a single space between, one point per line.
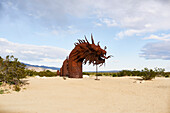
64 68
82 53
58 73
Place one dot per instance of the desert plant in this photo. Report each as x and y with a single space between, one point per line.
1 83
98 74
17 88
124 73
46 73
167 75
86 73
135 73
147 74
11 70
160 71
1 91
30 72
114 75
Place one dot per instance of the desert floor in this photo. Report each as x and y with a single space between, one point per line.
109 95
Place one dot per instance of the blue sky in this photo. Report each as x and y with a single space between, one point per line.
43 32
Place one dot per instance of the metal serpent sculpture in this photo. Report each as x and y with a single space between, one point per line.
82 53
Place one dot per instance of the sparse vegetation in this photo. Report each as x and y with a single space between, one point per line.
1 91
167 74
30 72
11 72
86 73
146 74
17 88
114 75
45 73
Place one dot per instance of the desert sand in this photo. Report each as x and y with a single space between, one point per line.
109 95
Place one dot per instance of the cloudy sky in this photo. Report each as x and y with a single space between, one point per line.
43 32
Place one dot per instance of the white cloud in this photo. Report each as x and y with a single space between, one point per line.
97 24
159 50
164 37
28 52
109 22
69 30
136 17
130 32
9 51
44 55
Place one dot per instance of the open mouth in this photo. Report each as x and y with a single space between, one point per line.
101 58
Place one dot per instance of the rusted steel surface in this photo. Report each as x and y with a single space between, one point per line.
65 68
82 53
58 72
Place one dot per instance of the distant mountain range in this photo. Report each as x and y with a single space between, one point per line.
45 67
112 71
56 68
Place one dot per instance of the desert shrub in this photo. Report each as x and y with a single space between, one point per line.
160 71
108 74
135 73
17 88
11 70
98 74
148 74
30 72
86 73
114 75
46 73
1 91
166 75
124 73
143 73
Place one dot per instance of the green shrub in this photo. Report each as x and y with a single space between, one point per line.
135 73
147 74
143 73
11 70
123 73
46 73
167 75
30 72
98 74
114 75
1 91
17 88
160 71
86 73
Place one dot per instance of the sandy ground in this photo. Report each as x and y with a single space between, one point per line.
109 95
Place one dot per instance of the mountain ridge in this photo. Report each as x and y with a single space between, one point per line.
56 68
42 66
